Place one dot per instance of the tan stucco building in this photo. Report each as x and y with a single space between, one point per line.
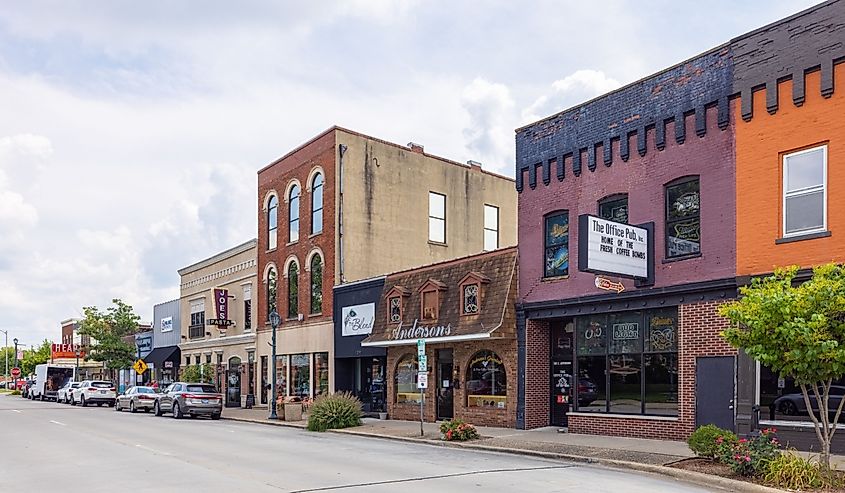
344 207
208 337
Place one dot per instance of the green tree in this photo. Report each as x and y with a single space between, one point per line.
107 330
798 331
37 356
202 373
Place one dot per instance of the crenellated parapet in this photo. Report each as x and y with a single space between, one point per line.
639 114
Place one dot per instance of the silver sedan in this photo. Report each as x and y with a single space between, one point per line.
136 398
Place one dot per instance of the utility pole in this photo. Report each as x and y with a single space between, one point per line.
6 352
17 364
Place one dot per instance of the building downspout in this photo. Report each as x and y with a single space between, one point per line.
341 151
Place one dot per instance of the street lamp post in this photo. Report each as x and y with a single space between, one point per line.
17 364
275 319
76 372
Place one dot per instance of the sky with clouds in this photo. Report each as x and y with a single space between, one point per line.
131 132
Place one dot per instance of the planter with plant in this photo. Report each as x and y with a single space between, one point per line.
335 411
458 431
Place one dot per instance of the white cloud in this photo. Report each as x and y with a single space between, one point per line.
489 132
576 88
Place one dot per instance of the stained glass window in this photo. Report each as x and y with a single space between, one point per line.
557 245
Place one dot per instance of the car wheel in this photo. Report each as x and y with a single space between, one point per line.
117 406
146 410
99 404
788 408
215 416
82 401
132 407
177 413
157 409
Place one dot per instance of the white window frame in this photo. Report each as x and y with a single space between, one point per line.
442 220
487 228
805 191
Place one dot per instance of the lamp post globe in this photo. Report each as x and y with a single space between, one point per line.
275 320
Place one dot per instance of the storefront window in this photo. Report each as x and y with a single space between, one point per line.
300 375
628 363
282 374
487 384
782 400
321 374
406 381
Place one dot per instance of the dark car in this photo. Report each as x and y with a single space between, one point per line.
793 404
189 399
587 391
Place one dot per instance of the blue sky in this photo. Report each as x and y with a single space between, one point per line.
132 131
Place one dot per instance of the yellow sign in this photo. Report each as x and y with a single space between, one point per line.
140 367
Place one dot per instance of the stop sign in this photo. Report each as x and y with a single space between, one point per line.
16 372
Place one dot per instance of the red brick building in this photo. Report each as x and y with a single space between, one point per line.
465 311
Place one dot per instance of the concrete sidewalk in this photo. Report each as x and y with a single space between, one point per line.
547 440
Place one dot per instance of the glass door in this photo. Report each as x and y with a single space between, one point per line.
561 371
445 396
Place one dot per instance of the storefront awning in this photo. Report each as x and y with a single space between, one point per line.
159 355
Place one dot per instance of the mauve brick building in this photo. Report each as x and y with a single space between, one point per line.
628 238
657 153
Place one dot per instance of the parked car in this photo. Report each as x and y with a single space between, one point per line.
793 404
93 392
25 390
189 399
135 398
587 391
63 395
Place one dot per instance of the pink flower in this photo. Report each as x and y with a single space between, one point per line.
747 459
742 440
720 440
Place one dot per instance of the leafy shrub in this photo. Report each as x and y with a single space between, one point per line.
791 471
705 441
15 392
458 430
331 412
750 457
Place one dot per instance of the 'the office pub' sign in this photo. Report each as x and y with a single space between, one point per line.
221 309
610 247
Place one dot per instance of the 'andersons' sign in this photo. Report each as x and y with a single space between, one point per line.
416 331
610 247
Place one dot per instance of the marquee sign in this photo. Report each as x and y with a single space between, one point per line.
66 351
618 249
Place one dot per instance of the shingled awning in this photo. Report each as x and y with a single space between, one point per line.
496 274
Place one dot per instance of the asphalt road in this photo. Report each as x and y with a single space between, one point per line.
46 446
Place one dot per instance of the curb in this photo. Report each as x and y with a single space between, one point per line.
693 477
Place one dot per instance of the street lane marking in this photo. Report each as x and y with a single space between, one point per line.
148 449
17 410
58 423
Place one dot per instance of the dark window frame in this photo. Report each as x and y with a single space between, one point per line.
294 196
546 246
293 289
611 199
316 287
272 222
314 208
667 222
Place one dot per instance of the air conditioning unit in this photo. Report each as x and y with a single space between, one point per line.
300 317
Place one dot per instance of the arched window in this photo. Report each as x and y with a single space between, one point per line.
272 222
316 283
293 290
293 213
317 204
487 383
271 291
406 381
234 363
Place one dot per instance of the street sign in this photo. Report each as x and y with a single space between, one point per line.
16 372
420 347
423 363
140 367
422 380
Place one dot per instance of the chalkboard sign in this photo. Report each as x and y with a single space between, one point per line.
250 401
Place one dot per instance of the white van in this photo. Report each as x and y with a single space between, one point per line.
49 379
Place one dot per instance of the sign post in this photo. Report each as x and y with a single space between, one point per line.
422 379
